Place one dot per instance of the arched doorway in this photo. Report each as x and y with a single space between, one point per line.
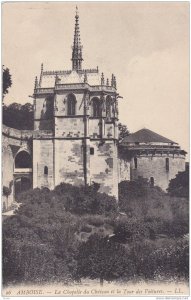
22 173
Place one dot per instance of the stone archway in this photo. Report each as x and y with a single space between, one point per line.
23 160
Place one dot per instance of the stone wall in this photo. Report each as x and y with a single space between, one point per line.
155 166
124 169
43 157
69 162
103 166
69 127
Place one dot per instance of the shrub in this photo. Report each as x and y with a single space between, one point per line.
87 229
128 229
95 220
102 259
179 186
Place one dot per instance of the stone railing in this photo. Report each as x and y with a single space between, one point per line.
15 133
83 86
60 72
25 134
44 91
153 147
67 72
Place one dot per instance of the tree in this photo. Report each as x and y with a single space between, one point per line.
7 81
179 186
123 131
18 116
100 258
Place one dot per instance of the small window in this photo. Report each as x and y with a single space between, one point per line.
135 162
167 164
45 170
91 151
152 181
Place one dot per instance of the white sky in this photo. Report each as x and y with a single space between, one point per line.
145 44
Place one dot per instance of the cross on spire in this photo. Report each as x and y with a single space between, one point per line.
77 47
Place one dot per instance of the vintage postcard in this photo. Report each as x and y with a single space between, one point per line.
95 149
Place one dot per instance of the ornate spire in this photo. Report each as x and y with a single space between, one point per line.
107 82
77 47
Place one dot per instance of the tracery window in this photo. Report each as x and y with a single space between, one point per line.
71 105
96 107
108 106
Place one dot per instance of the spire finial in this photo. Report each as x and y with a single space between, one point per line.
36 83
77 48
102 79
85 77
114 82
107 82
41 73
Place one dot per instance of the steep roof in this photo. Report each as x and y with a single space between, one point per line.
145 136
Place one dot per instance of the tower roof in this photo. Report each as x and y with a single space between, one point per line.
77 47
146 136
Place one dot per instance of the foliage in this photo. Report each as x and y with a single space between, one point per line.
153 209
167 260
51 237
130 229
18 116
44 221
6 191
7 81
99 258
83 200
123 131
179 186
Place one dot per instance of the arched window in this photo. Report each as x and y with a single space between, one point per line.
45 170
23 160
108 106
96 107
71 105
